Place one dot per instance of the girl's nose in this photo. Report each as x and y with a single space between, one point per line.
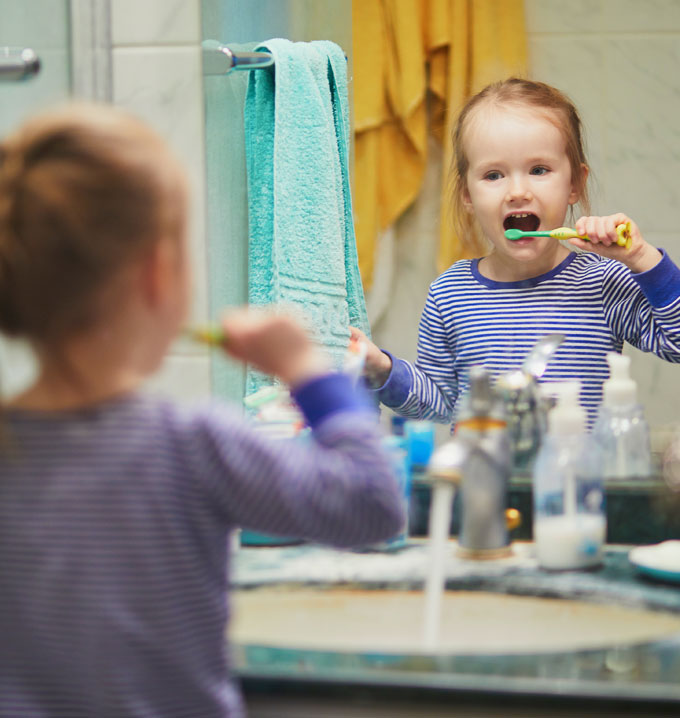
518 190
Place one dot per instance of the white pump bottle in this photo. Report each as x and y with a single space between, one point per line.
569 520
621 431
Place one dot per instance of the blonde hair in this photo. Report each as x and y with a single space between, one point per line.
524 93
84 190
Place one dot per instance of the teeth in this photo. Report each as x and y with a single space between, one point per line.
519 215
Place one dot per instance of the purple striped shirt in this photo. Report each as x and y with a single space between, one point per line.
114 527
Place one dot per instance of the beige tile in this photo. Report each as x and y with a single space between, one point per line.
164 87
150 22
558 16
642 136
636 16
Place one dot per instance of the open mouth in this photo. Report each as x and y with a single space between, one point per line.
524 221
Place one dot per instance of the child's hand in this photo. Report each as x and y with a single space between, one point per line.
275 344
378 365
601 232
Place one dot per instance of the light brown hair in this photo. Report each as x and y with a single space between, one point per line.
84 190
518 92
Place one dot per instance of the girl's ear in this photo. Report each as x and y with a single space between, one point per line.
158 271
466 200
577 186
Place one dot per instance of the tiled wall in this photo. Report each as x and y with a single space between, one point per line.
156 72
619 60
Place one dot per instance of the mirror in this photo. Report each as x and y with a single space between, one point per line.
605 55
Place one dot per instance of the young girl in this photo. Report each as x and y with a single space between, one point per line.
519 163
116 507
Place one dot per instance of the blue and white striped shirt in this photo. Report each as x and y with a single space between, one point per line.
597 303
114 526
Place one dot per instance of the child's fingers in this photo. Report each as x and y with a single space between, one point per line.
357 334
600 230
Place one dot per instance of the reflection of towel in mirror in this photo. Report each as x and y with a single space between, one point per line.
302 249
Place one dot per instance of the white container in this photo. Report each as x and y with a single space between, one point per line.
569 518
621 431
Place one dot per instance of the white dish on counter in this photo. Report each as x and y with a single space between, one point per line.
660 561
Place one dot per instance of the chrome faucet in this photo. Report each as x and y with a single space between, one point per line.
478 460
525 409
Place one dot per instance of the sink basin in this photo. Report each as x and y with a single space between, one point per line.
473 622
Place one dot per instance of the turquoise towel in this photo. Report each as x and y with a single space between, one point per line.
302 249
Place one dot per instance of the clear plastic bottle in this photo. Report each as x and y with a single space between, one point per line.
621 431
569 517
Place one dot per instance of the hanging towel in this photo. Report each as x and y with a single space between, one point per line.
301 247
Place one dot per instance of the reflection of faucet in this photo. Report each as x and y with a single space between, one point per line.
478 460
525 409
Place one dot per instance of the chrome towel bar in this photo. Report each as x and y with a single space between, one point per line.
219 59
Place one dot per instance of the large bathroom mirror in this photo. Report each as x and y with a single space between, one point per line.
617 60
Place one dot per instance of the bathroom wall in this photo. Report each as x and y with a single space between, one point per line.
156 73
618 60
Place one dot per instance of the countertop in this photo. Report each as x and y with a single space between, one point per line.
643 674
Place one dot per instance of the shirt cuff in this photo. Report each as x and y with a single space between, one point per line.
330 394
394 392
661 283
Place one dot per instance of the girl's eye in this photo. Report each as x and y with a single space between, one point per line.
539 170
493 175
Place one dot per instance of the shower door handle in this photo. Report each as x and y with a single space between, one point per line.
18 63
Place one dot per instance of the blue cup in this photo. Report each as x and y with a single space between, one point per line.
419 442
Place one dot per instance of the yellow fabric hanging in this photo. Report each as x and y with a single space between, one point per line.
390 123
487 42
402 49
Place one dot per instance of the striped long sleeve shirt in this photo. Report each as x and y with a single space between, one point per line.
114 529
597 303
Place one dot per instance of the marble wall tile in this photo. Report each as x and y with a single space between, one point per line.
638 16
183 378
557 16
642 104
163 86
155 22
157 74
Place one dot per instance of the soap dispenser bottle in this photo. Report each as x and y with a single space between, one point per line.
621 431
569 519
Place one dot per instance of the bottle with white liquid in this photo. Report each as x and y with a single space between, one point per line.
621 431
569 517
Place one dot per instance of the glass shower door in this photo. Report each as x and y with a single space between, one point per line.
35 71
40 27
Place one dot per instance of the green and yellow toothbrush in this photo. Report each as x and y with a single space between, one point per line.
212 335
624 240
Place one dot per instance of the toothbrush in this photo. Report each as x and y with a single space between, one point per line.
625 238
212 335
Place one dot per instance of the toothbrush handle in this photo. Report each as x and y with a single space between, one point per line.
624 237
